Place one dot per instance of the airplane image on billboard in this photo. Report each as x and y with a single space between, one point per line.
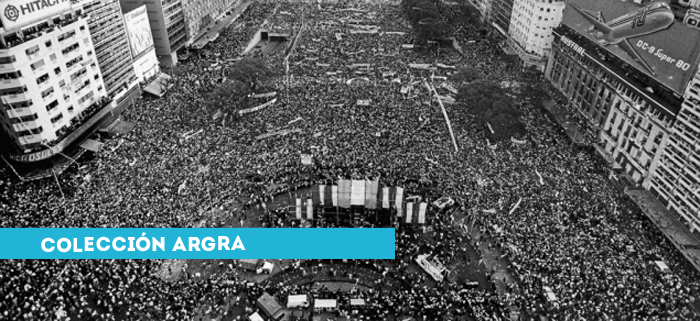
646 37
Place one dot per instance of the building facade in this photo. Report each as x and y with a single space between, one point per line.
677 181
111 45
200 14
500 15
530 30
52 89
167 21
644 112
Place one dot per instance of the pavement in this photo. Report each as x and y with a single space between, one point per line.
680 236
204 38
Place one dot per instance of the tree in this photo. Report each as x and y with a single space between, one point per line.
231 96
492 109
250 71
466 75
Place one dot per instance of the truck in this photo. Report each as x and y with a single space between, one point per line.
257 265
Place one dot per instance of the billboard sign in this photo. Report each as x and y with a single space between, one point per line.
646 37
139 30
16 13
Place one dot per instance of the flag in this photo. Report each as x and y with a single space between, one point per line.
344 191
421 212
358 194
399 201
321 196
371 191
409 212
309 209
515 206
334 195
385 197
298 209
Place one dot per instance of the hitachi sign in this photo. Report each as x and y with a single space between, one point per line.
15 13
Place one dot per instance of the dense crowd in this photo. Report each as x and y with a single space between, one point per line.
570 232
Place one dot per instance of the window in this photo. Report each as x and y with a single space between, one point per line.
52 105
71 109
57 71
38 64
42 79
32 50
11 75
82 28
33 131
48 44
23 119
46 92
57 118
61 83
7 60
53 57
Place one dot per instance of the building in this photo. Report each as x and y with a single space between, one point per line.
52 90
640 98
530 31
111 46
142 46
168 25
500 15
677 181
201 14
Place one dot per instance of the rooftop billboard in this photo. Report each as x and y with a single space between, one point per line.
15 13
646 37
139 30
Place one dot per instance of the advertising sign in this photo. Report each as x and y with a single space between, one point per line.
16 13
646 37
139 30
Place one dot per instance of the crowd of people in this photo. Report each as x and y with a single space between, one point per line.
570 232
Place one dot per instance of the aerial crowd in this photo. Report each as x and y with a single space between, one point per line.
570 231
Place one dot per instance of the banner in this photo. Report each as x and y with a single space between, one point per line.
399 201
339 36
344 190
421 212
357 195
309 209
298 209
321 194
279 132
334 195
254 109
385 198
371 198
265 95
361 102
517 141
409 212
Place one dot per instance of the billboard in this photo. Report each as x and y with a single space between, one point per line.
139 30
15 13
646 37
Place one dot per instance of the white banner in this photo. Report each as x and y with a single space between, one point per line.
334 193
322 194
399 201
309 209
357 196
254 109
385 198
266 95
409 212
298 209
421 212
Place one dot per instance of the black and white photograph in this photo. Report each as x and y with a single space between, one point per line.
535 160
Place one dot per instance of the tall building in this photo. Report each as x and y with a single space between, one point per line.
111 46
530 32
499 15
677 181
199 14
639 93
52 90
167 24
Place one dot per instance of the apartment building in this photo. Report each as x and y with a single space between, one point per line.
530 30
200 14
51 87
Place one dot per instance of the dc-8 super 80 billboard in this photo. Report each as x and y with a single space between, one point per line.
646 37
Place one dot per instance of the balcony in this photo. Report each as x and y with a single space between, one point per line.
11 83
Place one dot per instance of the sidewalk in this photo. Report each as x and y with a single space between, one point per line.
205 37
681 237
